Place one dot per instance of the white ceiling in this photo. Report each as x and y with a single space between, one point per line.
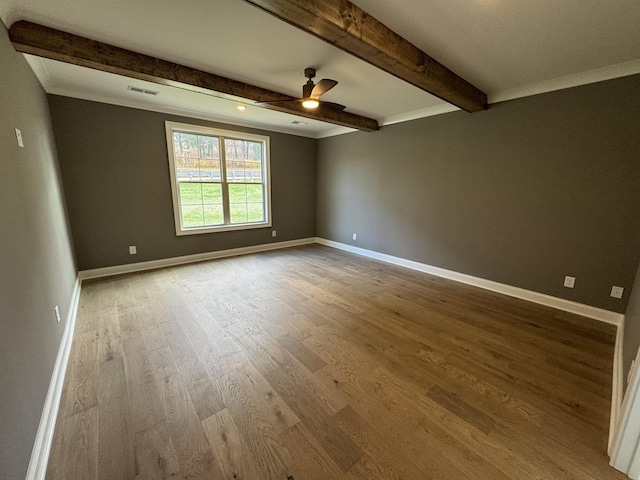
507 48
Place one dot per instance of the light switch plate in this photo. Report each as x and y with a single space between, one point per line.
19 138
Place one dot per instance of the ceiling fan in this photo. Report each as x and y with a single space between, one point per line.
311 92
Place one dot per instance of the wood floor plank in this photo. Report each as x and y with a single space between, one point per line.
312 363
463 410
129 326
110 339
305 356
206 397
260 357
163 364
155 455
77 453
152 332
263 441
145 401
334 441
213 344
82 391
387 456
235 460
115 435
325 397
435 451
497 399
187 435
310 461
189 364
265 398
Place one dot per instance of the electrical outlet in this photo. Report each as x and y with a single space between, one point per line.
19 138
569 282
132 250
617 292
355 236
57 310
273 233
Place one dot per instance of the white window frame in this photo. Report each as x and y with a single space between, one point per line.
172 127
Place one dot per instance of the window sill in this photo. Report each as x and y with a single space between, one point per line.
222 228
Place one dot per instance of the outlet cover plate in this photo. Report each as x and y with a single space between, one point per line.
569 282
132 250
617 292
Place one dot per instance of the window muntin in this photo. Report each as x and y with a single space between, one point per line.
219 179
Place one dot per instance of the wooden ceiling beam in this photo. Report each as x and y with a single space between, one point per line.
348 27
54 44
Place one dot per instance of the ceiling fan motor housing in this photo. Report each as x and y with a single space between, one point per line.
307 89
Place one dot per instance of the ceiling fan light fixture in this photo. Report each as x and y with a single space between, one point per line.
310 103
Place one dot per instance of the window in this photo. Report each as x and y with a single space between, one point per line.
219 179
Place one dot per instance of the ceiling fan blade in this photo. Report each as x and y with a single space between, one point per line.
322 87
278 101
337 106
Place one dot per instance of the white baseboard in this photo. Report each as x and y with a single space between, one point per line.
617 387
198 257
41 447
624 448
540 298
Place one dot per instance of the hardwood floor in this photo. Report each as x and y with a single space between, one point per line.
314 364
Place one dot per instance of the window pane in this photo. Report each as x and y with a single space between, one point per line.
212 193
254 193
209 170
255 212
245 202
213 215
187 169
192 216
238 203
185 145
253 172
238 212
209 147
244 160
237 193
190 193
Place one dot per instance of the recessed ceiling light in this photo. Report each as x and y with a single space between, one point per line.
142 90
298 122
242 108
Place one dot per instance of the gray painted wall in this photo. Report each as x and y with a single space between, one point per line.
523 194
632 327
116 176
36 261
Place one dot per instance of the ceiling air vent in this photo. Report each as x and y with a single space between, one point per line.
298 122
142 90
